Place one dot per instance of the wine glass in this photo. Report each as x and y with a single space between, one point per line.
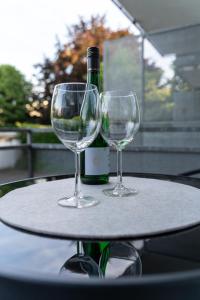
120 122
76 120
80 265
120 259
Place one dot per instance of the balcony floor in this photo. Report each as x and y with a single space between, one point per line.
8 175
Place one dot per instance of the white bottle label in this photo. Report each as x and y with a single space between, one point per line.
97 161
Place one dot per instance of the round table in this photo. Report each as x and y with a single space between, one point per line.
160 206
34 254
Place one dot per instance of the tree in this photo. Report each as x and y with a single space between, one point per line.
69 63
14 95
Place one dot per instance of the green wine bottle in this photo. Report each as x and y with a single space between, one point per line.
95 159
98 250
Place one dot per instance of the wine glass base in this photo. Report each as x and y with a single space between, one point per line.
77 202
120 191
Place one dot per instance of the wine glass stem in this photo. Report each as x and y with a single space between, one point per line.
77 176
79 247
119 167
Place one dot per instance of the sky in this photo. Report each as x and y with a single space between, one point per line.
28 27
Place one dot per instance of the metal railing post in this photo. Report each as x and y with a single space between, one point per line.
142 80
30 153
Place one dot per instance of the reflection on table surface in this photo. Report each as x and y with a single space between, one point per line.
22 251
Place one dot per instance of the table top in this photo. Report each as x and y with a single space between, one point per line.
160 206
24 252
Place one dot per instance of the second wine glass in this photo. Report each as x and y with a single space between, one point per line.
120 123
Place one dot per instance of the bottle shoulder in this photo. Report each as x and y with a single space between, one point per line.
99 142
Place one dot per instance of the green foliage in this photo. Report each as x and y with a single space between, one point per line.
14 95
158 99
101 78
73 124
45 138
38 137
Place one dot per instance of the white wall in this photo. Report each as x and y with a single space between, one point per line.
8 158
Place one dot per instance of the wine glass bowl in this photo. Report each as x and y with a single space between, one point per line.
76 120
80 265
120 259
75 114
120 123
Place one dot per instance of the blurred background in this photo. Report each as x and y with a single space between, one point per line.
151 47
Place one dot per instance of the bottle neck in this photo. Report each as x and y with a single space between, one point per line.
93 77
